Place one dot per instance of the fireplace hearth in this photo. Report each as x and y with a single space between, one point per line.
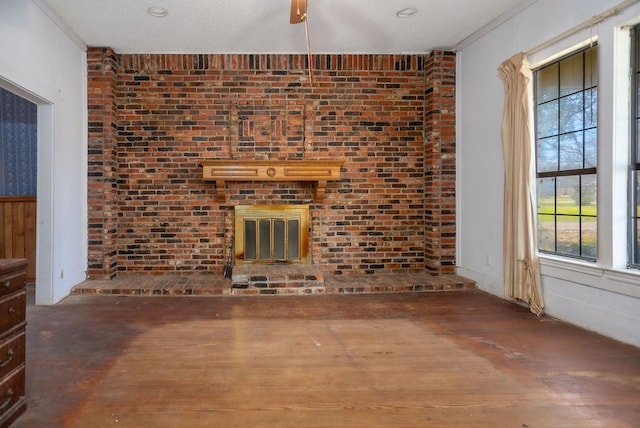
279 279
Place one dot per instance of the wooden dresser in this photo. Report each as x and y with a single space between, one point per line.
13 310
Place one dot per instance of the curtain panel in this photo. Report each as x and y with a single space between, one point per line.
521 270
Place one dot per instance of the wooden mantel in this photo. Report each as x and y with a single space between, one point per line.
225 170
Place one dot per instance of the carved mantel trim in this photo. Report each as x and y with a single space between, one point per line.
225 170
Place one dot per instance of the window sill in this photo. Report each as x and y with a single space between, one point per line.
620 281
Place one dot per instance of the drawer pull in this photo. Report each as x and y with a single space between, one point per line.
8 359
12 310
6 284
7 400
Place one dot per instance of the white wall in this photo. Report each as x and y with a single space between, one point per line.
42 63
604 297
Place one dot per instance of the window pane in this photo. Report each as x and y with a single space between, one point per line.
547 154
571 154
588 195
591 108
547 83
571 113
571 75
568 195
546 233
568 235
637 81
638 141
590 148
547 120
265 239
546 195
589 212
636 189
589 238
249 239
635 215
278 239
636 254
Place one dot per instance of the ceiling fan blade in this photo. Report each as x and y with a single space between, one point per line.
298 11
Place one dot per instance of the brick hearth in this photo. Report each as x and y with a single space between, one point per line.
271 279
209 284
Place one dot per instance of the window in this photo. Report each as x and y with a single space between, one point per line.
634 257
566 94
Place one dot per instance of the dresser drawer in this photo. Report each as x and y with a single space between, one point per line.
12 353
13 308
12 396
12 281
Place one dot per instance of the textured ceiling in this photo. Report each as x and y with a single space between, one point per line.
262 26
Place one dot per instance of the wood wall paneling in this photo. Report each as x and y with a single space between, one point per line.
18 230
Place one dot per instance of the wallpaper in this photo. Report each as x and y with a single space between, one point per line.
18 141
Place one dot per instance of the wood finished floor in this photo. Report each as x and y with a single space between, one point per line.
444 359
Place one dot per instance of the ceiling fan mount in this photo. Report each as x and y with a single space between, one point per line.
298 11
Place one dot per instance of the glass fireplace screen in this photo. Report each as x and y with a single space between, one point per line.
271 239
271 233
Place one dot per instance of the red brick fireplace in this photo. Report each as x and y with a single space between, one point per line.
154 118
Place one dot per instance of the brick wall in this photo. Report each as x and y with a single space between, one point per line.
368 110
440 162
102 163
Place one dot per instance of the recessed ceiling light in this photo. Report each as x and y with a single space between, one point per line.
157 11
407 12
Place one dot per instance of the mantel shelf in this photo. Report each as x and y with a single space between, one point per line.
225 170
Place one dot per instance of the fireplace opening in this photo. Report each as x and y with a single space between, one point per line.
271 234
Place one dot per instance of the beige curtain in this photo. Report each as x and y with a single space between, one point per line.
521 272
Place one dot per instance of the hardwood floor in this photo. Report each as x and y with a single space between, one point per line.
444 359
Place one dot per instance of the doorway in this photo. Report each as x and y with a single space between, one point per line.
18 178
40 233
